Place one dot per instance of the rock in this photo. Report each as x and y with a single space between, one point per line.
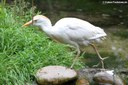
88 73
55 75
94 76
82 82
107 78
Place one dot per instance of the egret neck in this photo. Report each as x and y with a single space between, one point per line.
46 26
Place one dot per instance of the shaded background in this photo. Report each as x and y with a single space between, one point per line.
98 12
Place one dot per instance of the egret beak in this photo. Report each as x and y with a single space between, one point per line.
27 24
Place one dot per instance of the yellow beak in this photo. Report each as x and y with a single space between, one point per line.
27 24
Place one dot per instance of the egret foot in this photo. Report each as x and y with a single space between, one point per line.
72 65
94 66
101 61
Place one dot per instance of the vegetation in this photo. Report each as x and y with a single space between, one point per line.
24 50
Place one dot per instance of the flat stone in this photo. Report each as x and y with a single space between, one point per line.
55 75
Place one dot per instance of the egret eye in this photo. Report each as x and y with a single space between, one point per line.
35 20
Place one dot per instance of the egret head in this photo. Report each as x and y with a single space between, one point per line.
38 20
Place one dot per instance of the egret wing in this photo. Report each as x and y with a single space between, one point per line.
77 29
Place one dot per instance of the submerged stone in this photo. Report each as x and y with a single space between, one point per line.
107 78
82 81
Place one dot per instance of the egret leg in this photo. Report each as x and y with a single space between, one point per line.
101 59
82 53
78 54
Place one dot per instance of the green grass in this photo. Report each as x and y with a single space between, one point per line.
23 50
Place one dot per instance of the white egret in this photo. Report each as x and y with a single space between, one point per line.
73 31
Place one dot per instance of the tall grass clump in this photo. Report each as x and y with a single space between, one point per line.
25 50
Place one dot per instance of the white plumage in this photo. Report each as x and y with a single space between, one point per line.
72 31
78 31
